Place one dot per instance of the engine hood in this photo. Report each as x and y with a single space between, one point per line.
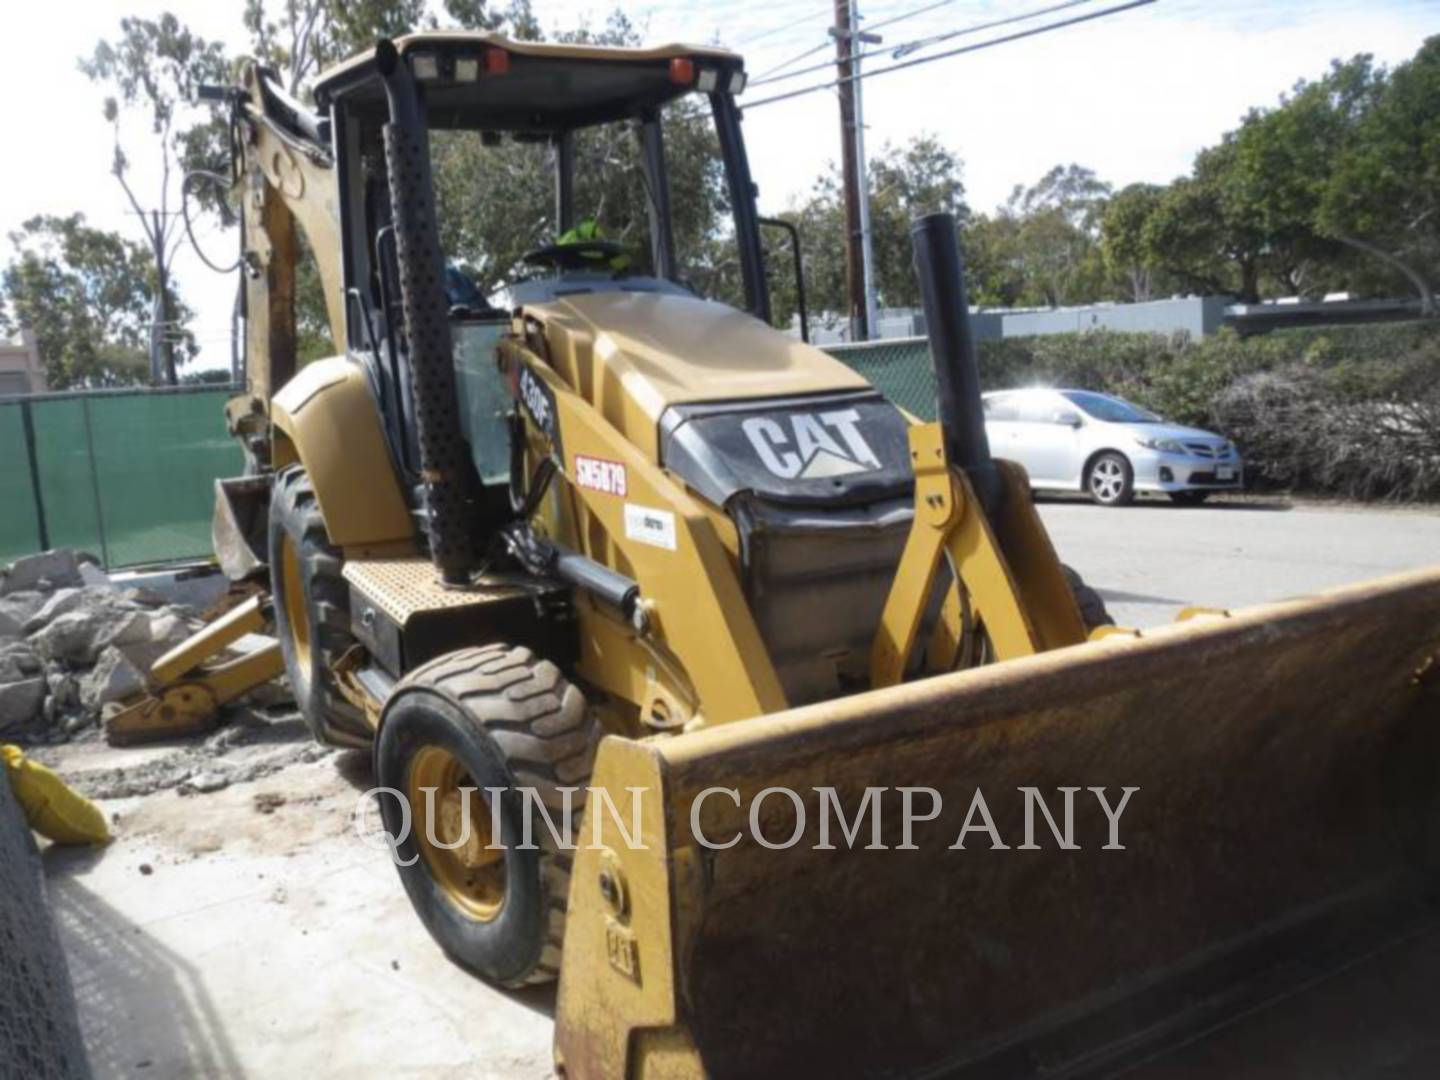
633 355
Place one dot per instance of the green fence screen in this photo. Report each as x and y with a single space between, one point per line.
899 368
127 476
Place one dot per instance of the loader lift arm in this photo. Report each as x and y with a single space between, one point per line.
971 510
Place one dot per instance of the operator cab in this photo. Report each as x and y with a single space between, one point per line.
557 154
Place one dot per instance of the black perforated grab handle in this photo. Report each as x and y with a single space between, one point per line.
443 461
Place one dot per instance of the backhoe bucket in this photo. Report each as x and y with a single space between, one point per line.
238 525
1285 763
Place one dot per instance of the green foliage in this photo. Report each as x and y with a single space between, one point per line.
920 177
87 296
1351 411
304 37
1122 238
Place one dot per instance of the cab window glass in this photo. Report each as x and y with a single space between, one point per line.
484 397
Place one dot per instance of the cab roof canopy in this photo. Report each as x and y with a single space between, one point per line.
487 81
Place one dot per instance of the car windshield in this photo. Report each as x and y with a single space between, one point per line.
1112 410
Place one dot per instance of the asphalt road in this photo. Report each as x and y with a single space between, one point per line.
1152 558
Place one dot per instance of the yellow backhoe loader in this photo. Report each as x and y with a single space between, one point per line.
596 551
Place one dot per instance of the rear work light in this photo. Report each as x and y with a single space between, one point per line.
467 68
708 80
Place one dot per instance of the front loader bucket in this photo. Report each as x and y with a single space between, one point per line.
1287 767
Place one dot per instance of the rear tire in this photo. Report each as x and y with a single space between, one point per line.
1093 612
488 717
1189 498
1110 480
312 609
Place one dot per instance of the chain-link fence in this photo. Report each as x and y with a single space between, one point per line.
899 368
126 475
39 1030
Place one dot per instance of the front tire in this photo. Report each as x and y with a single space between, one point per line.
312 609
481 718
1110 480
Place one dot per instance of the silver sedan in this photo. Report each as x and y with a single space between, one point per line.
1078 440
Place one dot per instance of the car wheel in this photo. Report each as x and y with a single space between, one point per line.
1110 481
1189 498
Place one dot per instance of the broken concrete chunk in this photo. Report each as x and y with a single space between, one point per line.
17 609
20 703
56 569
78 636
149 635
64 690
18 657
114 678
60 602
92 575
204 783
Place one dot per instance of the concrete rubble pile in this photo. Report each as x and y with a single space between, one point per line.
71 643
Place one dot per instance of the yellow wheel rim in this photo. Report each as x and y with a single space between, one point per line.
297 611
460 859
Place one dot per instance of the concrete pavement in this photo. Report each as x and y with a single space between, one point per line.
1152 558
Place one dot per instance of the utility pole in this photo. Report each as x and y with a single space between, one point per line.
859 258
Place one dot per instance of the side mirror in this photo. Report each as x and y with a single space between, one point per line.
1068 418
789 227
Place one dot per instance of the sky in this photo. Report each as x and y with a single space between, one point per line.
1133 96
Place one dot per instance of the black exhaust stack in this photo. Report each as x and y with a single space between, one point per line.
443 465
941 269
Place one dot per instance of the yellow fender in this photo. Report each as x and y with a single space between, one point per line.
51 807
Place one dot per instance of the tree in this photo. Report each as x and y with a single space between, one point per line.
307 36
1205 232
1383 193
87 296
906 182
1122 237
155 68
920 177
1042 246
1284 158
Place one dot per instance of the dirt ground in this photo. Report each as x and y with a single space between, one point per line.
250 932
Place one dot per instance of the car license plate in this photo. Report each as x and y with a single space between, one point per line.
1224 474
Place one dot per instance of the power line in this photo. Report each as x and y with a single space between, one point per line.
1032 32
908 15
904 49
781 29
764 76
